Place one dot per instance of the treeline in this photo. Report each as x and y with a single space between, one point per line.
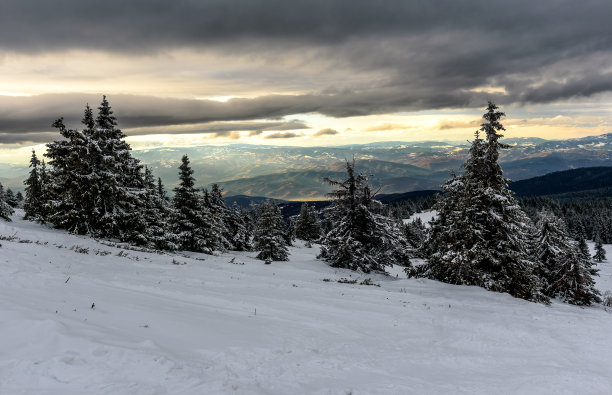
93 185
481 235
587 217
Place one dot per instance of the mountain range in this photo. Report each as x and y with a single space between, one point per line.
296 173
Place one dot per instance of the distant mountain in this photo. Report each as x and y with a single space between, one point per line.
574 183
574 180
296 173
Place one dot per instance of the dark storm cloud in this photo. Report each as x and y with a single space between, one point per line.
24 115
423 54
21 138
152 24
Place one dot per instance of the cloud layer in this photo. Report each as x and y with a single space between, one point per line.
335 58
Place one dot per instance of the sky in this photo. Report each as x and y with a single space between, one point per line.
184 73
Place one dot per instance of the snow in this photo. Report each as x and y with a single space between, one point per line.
425 216
212 327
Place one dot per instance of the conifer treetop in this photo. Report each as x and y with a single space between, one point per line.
106 119
88 119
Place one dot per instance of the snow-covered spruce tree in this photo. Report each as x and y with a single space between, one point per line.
33 206
480 235
238 228
600 253
116 177
269 233
582 245
68 204
161 190
95 185
190 221
220 214
157 212
563 267
307 225
11 198
414 231
5 210
360 239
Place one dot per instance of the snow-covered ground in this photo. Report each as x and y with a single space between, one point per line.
208 326
425 217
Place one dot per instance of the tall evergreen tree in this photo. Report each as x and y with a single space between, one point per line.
479 237
5 210
119 175
34 203
65 204
96 186
269 233
190 215
360 239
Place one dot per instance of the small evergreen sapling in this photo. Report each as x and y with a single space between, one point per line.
600 253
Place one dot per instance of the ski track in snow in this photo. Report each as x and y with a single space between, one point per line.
212 327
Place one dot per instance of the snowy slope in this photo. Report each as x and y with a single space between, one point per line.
425 217
212 327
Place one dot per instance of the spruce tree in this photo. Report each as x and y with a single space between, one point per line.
220 214
118 177
600 253
582 245
269 233
238 228
65 204
360 239
479 237
33 206
190 222
414 231
11 198
307 225
5 209
95 186
565 271
157 212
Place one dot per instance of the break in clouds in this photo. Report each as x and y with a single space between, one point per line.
384 57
